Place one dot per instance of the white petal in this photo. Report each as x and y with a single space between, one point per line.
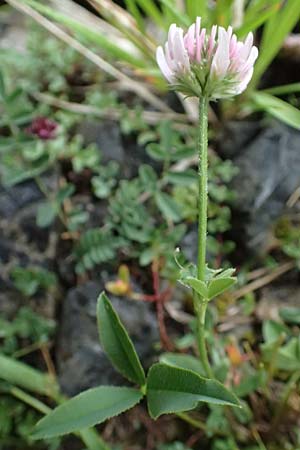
163 65
171 34
245 66
253 56
229 32
169 60
221 60
246 48
244 83
180 53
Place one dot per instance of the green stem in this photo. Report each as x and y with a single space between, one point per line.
30 400
202 199
200 304
200 309
188 419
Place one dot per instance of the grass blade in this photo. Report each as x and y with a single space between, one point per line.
175 15
283 90
283 22
196 8
128 83
152 11
132 7
126 25
254 22
88 34
277 108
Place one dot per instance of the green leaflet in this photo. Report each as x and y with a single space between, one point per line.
116 342
183 361
199 286
87 409
172 389
219 285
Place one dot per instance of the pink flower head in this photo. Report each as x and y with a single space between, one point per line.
43 128
216 65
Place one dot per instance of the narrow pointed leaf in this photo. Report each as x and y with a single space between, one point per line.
86 410
277 108
22 375
172 389
116 342
219 285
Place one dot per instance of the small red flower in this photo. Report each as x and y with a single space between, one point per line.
43 128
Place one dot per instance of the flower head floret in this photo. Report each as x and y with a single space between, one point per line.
216 65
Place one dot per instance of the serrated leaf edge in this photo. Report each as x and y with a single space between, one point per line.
237 405
107 302
49 436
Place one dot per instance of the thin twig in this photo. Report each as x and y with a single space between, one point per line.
165 340
49 363
294 198
263 281
151 117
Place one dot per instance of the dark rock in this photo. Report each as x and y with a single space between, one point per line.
17 197
23 243
268 175
81 361
114 146
189 246
106 134
22 240
236 136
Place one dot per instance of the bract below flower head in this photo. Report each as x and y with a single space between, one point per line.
198 63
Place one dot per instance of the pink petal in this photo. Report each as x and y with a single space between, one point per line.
233 46
212 40
198 27
201 43
189 41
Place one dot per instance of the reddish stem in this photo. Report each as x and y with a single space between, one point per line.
160 298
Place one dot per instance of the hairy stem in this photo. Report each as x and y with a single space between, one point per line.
200 304
202 199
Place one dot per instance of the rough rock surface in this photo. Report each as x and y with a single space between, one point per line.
81 361
22 242
268 175
106 134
